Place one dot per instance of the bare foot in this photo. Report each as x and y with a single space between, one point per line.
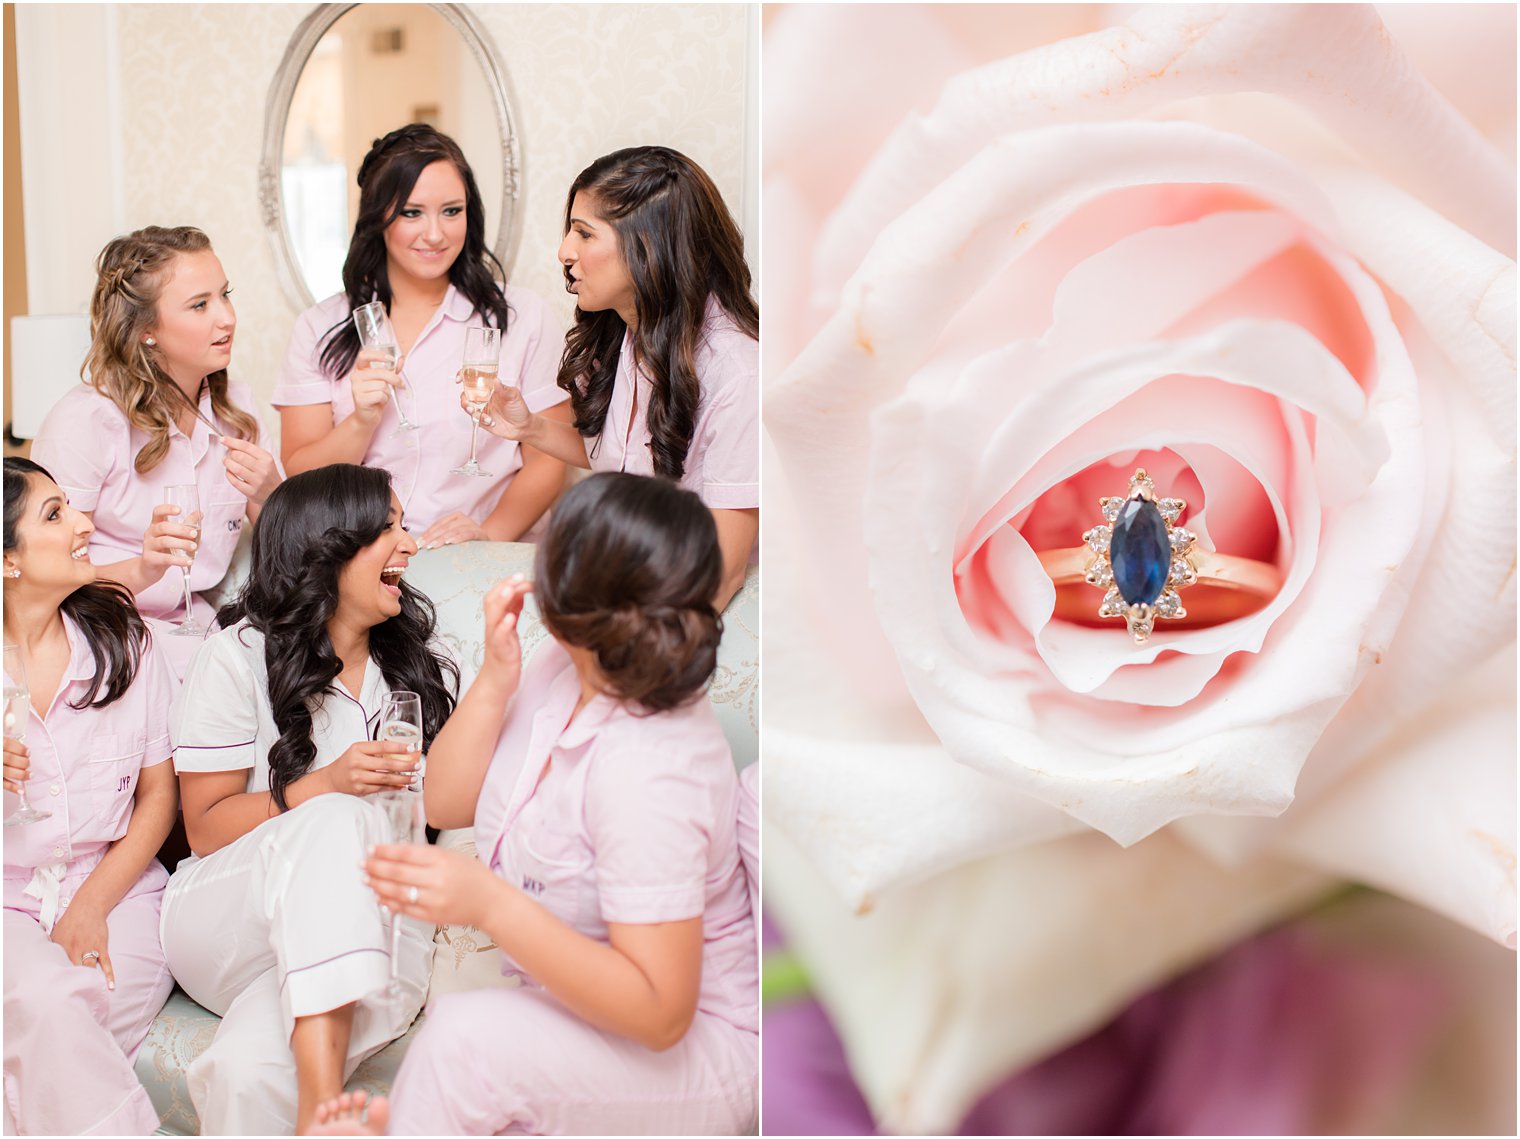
352 1113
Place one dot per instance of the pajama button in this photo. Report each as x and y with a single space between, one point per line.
55 789
57 852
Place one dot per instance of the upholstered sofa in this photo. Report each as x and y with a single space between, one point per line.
456 578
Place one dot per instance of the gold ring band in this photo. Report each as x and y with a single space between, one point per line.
1227 587
1142 558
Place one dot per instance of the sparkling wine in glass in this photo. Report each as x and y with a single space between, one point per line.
18 708
482 360
401 721
188 499
375 332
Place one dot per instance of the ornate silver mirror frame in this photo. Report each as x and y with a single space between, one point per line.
277 111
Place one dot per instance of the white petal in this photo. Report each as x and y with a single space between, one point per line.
948 985
1431 815
1335 60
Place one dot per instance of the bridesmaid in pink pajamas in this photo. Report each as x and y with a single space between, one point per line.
84 970
662 365
605 809
159 411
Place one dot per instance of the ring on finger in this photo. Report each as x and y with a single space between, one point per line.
90 955
412 894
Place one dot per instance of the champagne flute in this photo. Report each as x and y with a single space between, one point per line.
401 721
18 708
375 331
188 499
482 359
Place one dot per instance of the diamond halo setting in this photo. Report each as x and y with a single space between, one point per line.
1140 557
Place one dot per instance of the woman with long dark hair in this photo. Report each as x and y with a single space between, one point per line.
662 365
160 410
604 801
419 248
268 925
84 970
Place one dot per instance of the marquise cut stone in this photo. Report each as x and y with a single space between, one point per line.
1141 552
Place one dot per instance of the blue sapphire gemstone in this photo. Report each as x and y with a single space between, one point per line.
1140 552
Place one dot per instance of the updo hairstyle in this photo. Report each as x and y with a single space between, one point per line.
629 570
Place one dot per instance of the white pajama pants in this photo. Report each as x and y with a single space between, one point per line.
279 925
516 1061
69 1041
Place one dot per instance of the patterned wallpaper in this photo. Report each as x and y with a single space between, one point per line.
585 79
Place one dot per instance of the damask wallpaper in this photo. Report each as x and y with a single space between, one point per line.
585 79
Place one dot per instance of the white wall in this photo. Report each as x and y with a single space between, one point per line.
140 114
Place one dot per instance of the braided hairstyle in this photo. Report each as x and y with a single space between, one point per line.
629 570
681 246
130 274
311 527
386 177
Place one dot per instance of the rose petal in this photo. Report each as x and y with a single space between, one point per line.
1337 61
1467 52
997 963
985 719
1451 768
815 412
869 810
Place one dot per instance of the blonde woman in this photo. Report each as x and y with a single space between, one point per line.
158 410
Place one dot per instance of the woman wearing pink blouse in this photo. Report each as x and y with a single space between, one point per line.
662 365
606 812
84 970
159 411
419 248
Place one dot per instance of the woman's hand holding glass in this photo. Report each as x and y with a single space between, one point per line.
401 722
185 501
374 382
18 764
370 766
478 379
167 542
251 470
445 887
506 415
373 323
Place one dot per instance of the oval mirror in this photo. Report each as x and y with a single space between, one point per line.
352 73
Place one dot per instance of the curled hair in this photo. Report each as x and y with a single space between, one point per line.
311 527
386 177
681 246
629 570
129 277
103 611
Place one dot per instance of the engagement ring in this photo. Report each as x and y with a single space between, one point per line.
1140 557
92 955
411 894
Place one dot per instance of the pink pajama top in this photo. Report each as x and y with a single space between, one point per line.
85 766
723 462
635 823
420 461
88 447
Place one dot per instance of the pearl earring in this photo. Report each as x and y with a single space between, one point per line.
150 342
13 573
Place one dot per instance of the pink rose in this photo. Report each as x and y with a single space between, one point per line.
1250 249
